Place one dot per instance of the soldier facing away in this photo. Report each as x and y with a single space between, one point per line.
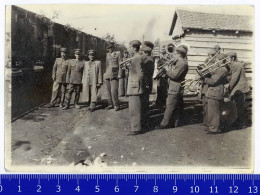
237 88
59 72
74 78
91 81
111 76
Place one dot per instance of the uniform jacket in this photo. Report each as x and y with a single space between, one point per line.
59 70
124 72
112 65
135 77
176 75
238 83
75 71
96 79
148 70
216 84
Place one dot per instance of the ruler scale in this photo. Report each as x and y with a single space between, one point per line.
130 184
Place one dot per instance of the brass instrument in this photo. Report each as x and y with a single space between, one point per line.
206 71
205 65
125 63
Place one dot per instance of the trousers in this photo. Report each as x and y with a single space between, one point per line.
173 111
70 90
58 88
112 88
145 108
205 110
239 100
135 112
214 115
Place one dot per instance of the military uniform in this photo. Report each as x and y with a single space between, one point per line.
113 72
148 69
237 87
123 81
59 77
91 81
215 95
74 78
135 90
174 102
59 72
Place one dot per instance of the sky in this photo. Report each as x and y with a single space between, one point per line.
125 22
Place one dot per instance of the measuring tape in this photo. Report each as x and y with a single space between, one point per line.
129 184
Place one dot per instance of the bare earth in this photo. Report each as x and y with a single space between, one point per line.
55 137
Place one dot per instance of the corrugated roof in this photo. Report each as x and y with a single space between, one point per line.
210 21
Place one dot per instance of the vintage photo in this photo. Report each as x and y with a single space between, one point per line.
129 88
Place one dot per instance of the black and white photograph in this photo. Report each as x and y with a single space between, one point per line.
129 88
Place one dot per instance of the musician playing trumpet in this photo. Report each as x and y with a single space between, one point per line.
215 94
176 73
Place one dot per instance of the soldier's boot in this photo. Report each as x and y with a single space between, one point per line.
51 105
92 106
76 101
67 104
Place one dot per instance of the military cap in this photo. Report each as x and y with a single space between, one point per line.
232 54
77 51
149 44
63 49
91 51
216 48
111 44
135 42
146 48
182 49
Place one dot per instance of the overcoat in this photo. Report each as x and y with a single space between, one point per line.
96 76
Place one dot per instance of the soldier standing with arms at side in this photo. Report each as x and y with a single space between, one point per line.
134 89
124 80
176 74
59 78
74 78
237 88
112 74
148 69
215 96
91 80
204 90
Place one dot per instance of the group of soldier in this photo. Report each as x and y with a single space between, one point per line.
138 73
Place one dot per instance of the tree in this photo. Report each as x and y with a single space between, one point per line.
109 38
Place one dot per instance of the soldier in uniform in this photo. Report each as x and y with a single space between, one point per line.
176 74
134 88
91 80
237 87
208 61
148 69
215 96
74 78
59 78
162 83
112 74
124 79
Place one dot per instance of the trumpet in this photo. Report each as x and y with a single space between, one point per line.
125 63
204 72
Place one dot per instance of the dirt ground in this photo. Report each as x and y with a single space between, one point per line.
51 136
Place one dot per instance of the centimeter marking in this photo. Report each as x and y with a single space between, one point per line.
194 183
194 177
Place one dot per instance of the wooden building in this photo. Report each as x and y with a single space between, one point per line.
201 31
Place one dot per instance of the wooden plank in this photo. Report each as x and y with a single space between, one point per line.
218 35
219 40
196 44
204 51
